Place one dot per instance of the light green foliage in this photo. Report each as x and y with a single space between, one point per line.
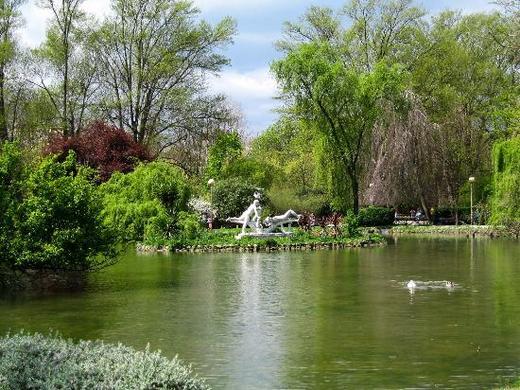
505 202
342 102
226 159
288 148
249 170
51 216
38 362
143 205
463 86
226 149
231 197
284 198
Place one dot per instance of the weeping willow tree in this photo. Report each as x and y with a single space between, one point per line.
506 195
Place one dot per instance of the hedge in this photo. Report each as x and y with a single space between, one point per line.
376 216
38 362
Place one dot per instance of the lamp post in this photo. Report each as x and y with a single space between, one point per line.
211 183
471 181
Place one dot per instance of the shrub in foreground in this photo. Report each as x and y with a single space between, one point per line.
376 216
51 216
38 362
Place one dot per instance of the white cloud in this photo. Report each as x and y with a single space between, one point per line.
256 84
254 91
210 5
37 19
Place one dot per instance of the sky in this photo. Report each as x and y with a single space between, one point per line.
247 81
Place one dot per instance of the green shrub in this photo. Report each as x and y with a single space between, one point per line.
55 220
376 216
350 225
231 197
189 226
38 362
442 215
143 205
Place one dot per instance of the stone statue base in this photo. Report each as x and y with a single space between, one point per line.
263 235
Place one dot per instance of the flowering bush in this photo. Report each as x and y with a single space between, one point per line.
202 208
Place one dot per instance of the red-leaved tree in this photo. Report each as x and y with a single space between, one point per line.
103 147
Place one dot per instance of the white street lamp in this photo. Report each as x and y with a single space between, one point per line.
471 181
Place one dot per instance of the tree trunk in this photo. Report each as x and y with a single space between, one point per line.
66 132
355 194
425 208
3 119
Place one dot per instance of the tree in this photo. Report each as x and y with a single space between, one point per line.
406 154
10 19
155 55
65 67
102 147
377 30
343 102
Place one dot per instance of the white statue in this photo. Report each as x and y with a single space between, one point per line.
279 220
252 218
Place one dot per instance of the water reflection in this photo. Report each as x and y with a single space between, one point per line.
325 320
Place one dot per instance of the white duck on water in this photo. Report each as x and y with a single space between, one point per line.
411 284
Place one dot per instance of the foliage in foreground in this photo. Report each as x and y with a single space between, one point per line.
38 362
51 215
143 205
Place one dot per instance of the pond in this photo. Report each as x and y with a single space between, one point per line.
300 320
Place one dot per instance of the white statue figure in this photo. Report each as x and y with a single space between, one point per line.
252 218
279 220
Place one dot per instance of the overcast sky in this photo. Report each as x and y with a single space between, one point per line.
247 81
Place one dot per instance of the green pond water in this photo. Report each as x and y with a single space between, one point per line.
307 320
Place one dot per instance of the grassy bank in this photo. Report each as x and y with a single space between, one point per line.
449 230
223 240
